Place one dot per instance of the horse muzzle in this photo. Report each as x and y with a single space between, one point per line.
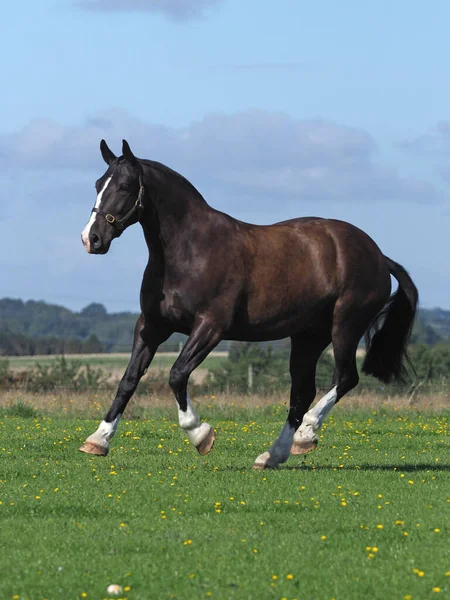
94 243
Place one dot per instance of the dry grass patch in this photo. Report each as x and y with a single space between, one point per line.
66 402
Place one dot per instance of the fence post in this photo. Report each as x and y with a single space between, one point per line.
250 378
411 397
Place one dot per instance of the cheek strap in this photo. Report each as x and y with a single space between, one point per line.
114 220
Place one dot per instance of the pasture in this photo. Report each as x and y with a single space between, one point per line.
109 362
114 364
365 515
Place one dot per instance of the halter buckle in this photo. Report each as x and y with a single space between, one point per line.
110 218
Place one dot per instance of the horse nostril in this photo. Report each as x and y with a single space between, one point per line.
95 240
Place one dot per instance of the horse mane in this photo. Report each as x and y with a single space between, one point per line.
168 175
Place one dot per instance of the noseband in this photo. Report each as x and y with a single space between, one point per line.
120 224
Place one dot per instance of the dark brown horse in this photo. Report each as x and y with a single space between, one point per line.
212 277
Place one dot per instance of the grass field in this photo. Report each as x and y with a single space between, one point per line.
367 515
109 362
114 365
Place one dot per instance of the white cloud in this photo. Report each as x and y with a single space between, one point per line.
434 143
255 165
434 146
178 10
266 154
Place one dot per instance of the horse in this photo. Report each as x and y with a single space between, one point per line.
213 277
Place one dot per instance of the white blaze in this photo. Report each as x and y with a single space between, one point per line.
87 229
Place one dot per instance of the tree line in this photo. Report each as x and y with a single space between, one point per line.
16 344
36 327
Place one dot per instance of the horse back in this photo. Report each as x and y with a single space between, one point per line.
264 282
298 269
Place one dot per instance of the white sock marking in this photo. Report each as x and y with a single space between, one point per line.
190 422
314 418
104 433
87 229
281 448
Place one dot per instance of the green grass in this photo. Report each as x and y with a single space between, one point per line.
365 516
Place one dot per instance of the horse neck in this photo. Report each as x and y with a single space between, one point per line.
171 212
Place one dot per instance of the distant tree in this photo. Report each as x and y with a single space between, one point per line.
92 345
438 319
431 364
94 310
270 370
73 346
421 358
424 334
441 362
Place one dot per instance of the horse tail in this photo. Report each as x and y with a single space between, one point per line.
387 347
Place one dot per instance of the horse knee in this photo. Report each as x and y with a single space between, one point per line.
177 378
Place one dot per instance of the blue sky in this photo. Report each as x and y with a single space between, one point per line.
272 110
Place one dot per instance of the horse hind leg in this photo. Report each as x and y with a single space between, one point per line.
306 437
346 334
305 352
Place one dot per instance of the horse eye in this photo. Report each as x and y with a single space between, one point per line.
124 186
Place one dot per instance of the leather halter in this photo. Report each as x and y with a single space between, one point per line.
120 224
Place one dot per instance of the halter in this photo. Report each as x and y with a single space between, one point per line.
120 224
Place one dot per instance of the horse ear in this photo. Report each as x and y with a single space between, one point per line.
108 155
126 151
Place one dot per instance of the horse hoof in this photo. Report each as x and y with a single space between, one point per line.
205 447
92 448
260 466
303 446
263 462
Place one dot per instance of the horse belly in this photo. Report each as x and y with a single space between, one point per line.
277 320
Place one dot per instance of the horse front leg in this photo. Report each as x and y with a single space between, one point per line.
205 335
145 343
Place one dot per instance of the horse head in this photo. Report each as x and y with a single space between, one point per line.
119 199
